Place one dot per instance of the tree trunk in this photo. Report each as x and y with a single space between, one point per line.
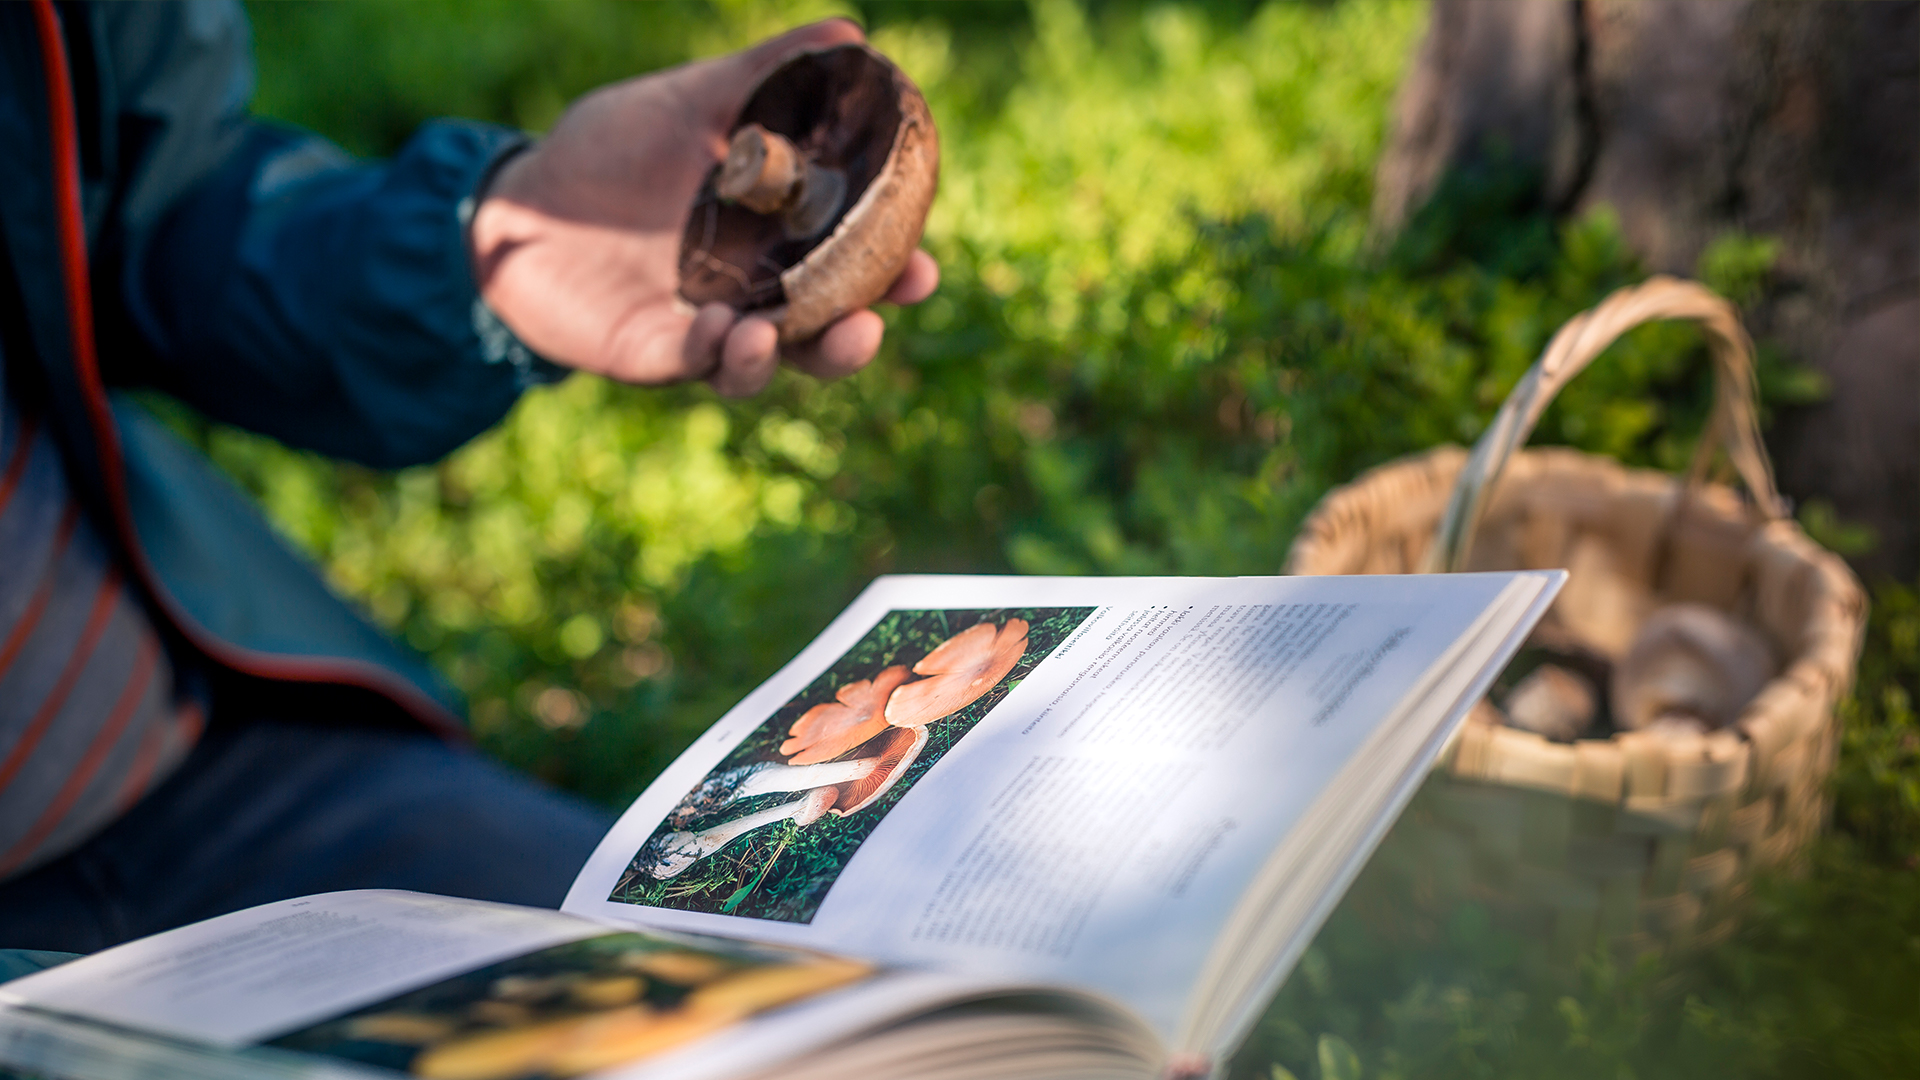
1688 118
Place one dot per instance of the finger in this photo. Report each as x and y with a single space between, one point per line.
748 359
649 347
700 352
917 281
842 349
730 78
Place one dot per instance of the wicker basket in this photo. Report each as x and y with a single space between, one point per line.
1641 840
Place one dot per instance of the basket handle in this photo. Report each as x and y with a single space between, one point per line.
1734 421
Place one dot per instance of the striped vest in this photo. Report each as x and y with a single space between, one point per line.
90 717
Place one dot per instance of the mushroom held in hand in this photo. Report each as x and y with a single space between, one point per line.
721 790
959 671
830 729
1690 660
670 854
823 195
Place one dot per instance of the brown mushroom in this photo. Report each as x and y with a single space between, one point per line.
828 179
1690 660
959 671
893 749
832 728
1553 702
768 175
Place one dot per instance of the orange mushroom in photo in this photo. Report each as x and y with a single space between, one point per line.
891 752
830 729
959 671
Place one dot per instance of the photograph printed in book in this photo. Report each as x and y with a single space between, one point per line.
767 833
615 999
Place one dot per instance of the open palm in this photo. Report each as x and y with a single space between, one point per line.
577 241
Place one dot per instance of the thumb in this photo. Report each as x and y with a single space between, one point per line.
729 79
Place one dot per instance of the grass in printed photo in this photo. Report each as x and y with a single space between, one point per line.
767 833
574 1008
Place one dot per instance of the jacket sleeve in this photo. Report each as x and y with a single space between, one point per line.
281 286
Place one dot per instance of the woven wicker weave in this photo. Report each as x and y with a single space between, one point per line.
1640 840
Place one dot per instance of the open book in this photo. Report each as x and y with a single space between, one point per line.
980 827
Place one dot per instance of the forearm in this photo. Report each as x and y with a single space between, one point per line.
332 304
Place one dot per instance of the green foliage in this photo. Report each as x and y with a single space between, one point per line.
1161 337
1877 784
1164 332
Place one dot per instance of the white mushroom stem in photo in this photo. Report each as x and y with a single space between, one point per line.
765 778
673 853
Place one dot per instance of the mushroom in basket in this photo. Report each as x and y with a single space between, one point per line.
1690 666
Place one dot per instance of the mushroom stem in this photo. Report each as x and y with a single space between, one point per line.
773 776
768 175
724 789
667 856
760 171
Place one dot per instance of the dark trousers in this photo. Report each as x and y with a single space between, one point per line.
266 810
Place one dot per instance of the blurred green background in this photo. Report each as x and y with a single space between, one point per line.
1164 331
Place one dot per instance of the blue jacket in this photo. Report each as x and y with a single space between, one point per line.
262 277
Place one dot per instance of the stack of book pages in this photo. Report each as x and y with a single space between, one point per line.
980 827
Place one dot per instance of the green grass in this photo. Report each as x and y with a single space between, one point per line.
1163 333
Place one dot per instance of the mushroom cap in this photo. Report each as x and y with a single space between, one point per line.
896 748
1555 702
959 671
850 110
1691 660
832 728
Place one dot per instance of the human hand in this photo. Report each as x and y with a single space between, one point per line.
576 242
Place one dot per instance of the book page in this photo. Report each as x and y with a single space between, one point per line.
434 986
1066 779
238 978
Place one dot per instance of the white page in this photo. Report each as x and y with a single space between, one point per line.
310 965
1344 845
1099 823
241 977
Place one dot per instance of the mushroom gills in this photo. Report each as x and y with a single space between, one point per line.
767 174
830 170
671 854
891 752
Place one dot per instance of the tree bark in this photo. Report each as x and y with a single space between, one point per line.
1690 119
